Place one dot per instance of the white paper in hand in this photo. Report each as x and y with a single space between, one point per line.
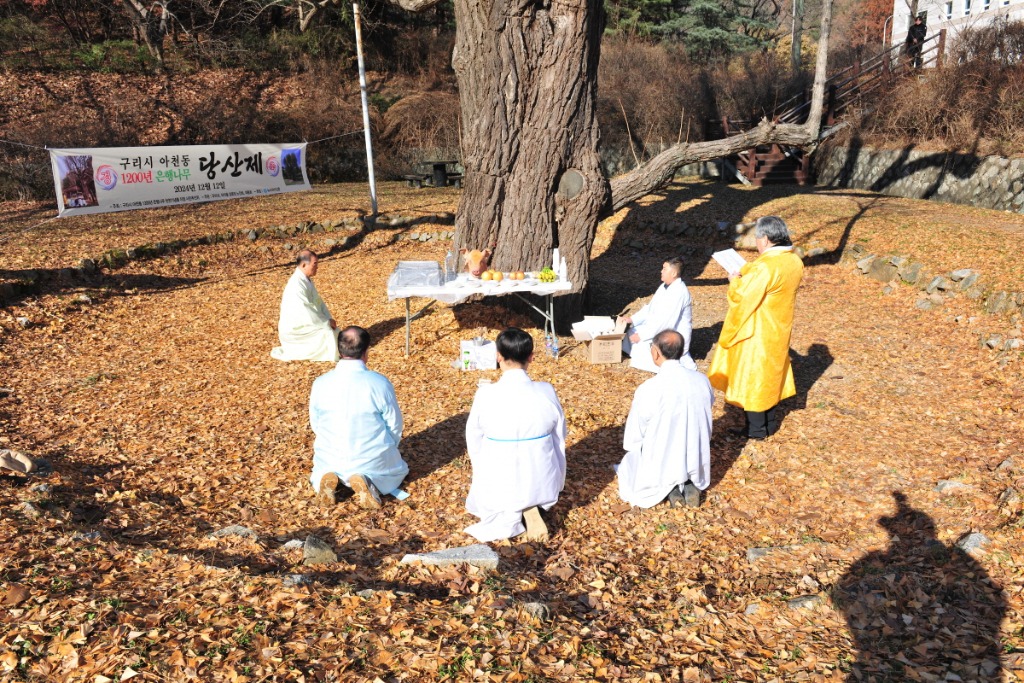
730 260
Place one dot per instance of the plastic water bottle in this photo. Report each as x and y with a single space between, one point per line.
547 343
467 359
449 266
554 346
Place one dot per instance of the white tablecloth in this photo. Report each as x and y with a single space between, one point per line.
466 286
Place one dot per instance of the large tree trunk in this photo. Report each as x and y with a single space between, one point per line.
527 75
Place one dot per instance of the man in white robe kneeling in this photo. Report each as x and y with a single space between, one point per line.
668 432
358 425
516 442
671 308
306 329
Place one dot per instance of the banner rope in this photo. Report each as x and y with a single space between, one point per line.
46 149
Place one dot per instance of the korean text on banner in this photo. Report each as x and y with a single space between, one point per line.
122 178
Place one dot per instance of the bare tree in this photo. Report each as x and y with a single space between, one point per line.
150 23
527 74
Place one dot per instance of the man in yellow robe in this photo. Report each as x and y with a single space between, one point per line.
751 364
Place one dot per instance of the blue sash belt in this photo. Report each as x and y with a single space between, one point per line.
532 438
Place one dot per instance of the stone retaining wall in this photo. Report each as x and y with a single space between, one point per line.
989 182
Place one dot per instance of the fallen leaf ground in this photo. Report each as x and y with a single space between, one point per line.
163 418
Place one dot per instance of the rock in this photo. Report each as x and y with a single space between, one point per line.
993 341
1013 344
817 251
316 551
911 272
969 281
294 544
234 530
289 246
996 302
888 289
804 602
293 580
251 235
365 594
936 298
87 536
864 265
41 488
477 555
972 541
82 299
960 274
30 510
1009 497
752 608
881 270
757 553
537 610
938 283
23 321
88 265
924 304
331 243
949 486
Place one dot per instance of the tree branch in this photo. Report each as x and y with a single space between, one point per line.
660 170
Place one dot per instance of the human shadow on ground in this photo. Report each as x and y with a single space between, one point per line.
807 370
430 449
703 341
921 610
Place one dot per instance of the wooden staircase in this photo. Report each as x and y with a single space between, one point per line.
778 164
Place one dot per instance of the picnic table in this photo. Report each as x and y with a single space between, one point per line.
439 173
416 279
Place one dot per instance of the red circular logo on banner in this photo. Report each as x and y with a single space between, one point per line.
106 176
273 166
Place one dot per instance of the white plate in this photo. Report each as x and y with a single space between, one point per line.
530 282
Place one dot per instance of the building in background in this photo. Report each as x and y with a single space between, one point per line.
952 15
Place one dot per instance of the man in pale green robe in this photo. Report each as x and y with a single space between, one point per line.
306 328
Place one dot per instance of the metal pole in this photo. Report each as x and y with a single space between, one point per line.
366 111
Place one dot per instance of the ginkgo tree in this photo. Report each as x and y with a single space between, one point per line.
527 76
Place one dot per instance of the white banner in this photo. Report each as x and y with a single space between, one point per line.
123 178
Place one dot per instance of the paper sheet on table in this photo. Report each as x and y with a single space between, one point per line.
730 260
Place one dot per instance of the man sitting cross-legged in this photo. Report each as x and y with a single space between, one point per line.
358 424
668 432
305 327
516 442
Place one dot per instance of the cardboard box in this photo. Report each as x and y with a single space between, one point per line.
603 336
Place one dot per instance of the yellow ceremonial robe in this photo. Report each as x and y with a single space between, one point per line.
751 364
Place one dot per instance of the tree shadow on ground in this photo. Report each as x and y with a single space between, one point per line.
921 610
657 230
35 282
432 448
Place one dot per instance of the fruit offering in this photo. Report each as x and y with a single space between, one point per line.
547 275
492 275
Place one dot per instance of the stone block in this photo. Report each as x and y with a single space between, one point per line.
477 555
